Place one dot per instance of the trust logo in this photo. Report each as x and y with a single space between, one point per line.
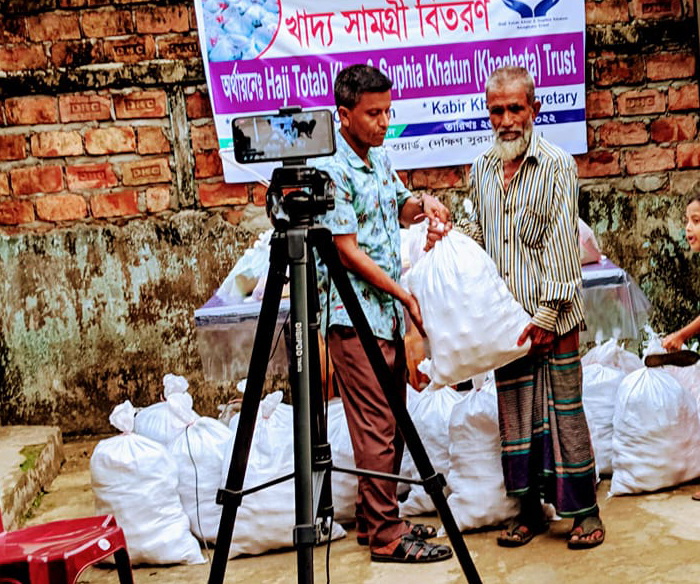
524 10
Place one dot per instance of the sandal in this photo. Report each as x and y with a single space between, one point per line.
588 526
682 358
695 496
420 530
413 550
519 532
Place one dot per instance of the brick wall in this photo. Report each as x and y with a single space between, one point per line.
105 123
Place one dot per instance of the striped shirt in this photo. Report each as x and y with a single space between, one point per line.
531 231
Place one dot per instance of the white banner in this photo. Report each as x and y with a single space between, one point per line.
261 55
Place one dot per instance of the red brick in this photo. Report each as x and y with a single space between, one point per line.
259 194
599 104
688 155
22 57
437 178
76 53
204 137
13 146
649 159
621 133
83 108
115 204
146 171
207 164
4 184
598 163
50 144
590 137
179 47
91 176
61 207
233 216
685 97
161 19
53 26
618 71
670 66
674 129
12 29
606 12
646 101
16 212
152 140
220 194
647 9
157 199
131 49
36 179
404 176
106 22
110 140
198 106
141 104
32 110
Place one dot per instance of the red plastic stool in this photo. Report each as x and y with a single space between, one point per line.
57 552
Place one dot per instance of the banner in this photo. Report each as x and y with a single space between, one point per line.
260 55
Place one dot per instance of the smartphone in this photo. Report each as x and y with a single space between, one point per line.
283 136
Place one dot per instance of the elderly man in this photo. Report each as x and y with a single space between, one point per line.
371 203
525 195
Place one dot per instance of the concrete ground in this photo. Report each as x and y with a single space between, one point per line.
651 539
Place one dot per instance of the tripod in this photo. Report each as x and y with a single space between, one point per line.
293 246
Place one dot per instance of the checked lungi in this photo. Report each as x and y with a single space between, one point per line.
545 441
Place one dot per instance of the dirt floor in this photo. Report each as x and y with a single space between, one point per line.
651 539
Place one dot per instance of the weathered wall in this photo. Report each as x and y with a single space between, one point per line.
116 223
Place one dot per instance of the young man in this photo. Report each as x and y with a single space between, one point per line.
525 194
371 202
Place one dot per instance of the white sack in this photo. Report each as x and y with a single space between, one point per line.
471 318
135 479
160 421
589 250
344 485
250 267
611 354
431 417
408 468
413 242
656 434
265 519
600 385
199 453
478 497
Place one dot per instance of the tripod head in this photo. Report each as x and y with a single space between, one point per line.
297 192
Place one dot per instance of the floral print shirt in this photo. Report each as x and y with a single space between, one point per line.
368 200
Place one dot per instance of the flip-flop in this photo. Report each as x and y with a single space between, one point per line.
413 550
695 496
588 526
420 530
519 532
682 358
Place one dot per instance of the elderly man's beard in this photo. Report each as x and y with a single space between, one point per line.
508 150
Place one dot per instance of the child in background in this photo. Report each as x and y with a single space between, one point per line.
674 341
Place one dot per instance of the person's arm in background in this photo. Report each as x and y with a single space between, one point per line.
675 340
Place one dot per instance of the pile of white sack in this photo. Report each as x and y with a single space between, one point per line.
160 476
644 421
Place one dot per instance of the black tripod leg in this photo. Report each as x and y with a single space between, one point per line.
230 497
323 242
300 380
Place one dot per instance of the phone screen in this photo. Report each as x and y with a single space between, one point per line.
262 138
